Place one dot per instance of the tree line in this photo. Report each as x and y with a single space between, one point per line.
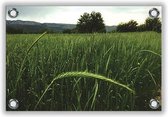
94 23
132 26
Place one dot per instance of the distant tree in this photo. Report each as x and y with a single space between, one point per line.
153 24
97 23
121 27
89 23
131 26
83 24
141 28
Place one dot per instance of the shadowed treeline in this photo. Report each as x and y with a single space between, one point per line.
132 26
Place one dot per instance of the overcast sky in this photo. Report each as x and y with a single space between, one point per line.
112 15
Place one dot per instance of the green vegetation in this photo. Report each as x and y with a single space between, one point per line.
132 26
91 23
110 71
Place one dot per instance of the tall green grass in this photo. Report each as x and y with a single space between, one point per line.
26 54
85 75
132 61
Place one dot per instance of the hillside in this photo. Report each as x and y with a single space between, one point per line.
19 26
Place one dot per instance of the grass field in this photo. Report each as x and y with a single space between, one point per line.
113 71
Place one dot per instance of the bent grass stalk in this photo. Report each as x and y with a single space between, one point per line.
150 52
86 75
28 50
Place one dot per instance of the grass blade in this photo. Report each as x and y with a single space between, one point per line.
95 93
107 64
28 50
153 79
151 52
86 75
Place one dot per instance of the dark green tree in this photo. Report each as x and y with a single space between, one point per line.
90 23
131 26
141 28
153 24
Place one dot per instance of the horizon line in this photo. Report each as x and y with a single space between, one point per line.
50 22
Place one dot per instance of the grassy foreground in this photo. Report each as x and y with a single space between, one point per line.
117 71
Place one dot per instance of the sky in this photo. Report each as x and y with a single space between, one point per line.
112 15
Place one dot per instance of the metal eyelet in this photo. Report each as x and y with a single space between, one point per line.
154 104
13 104
154 13
13 13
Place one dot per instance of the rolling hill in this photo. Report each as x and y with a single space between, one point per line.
19 26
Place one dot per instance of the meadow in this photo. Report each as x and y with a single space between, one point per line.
83 72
